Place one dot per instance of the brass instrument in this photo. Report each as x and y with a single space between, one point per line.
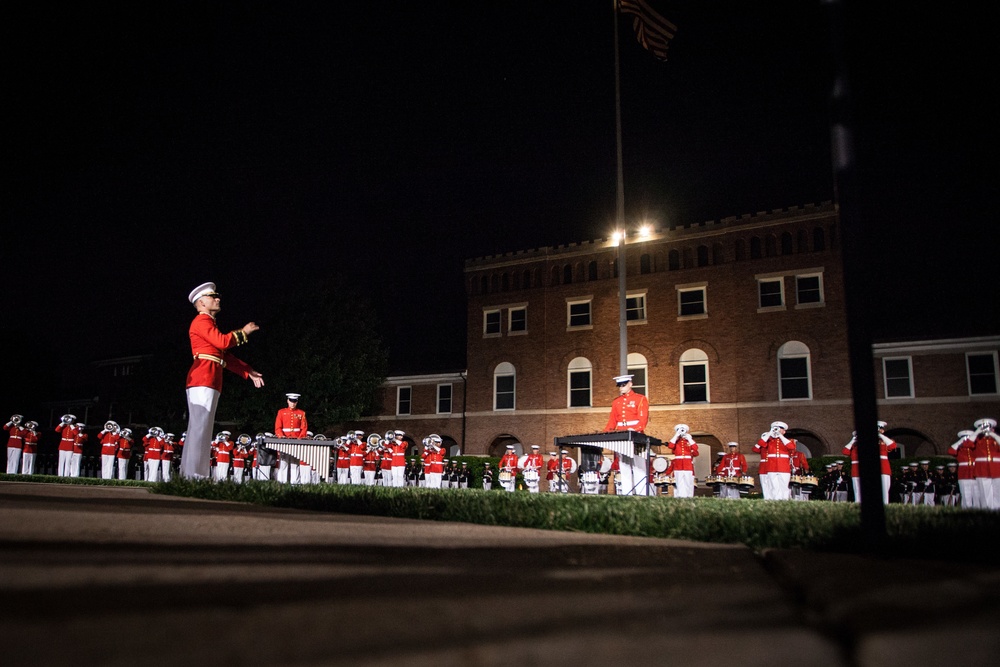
16 419
67 418
112 426
31 425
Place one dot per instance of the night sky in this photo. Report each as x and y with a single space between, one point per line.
151 146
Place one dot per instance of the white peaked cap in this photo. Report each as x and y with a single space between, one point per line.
200 291
293 397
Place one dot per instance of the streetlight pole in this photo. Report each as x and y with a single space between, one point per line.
622 316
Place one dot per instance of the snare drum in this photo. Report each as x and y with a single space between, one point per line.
505 476
531 476
590 477
746 483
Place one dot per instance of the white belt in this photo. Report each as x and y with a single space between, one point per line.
289 429
777 456
629 423
210 357
682 457
986 458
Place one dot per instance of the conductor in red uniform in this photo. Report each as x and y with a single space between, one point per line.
204 381
629 412
291 421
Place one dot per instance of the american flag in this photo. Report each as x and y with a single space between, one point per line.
652 30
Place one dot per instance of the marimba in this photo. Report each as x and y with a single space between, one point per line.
626 443
316 453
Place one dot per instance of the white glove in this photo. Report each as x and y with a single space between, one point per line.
851 443
884 438
765 435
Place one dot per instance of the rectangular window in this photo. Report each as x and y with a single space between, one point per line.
578 313
579 389
982 373
695 383
794 377
635 308
691 302
809 289
638 374
444 399
897 378
403 395
772 293
503 392
491 322
517 320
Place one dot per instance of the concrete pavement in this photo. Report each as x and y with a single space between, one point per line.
120 576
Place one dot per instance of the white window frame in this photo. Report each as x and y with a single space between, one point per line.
822 291
639 296
771 279
505 369
807 355
578 366
694 360
399 399
589 300
486 315
885 376
693 287
636 362
510 320
451 398
968 374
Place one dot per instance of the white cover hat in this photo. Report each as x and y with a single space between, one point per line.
622 379
200 291
293 397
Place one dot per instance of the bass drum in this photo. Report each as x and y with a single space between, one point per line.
660 465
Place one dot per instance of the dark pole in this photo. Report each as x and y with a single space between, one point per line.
856 262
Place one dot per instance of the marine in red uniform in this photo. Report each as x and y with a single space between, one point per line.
684 449
209 346
986 447
30 448
733 465
778 449
291 420
508 469
152 446
531 472
629 412
968 487
108 439
15 443
124 452
885 446
78 442
67 430
398 456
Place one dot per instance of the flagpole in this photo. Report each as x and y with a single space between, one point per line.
620 211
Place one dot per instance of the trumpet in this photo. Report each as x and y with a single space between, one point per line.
16 419
390 436
111 426
67 419
31 425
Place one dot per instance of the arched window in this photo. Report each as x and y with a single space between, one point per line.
504 282
819 239
786 243
703 255
578 270
484 285
592 270
493 283
579 378
638 368
755 248
741 250
770 246
803 241
687 259
567 274
674 260
504 385
526 280
794 381
555 275
694 376
644 264
718 255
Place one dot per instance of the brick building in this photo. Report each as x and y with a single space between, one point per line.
731 324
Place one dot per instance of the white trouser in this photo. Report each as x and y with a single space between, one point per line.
165 469
433 480
779 485
74 464
27 463
989 493
152 470
968 488
122 468
221 471
929 498
65 458
343 475
369 477
399 476
13 460
238 474
356 475
683 484
730 491
886 481
632 475
107 466
202 402
305 474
